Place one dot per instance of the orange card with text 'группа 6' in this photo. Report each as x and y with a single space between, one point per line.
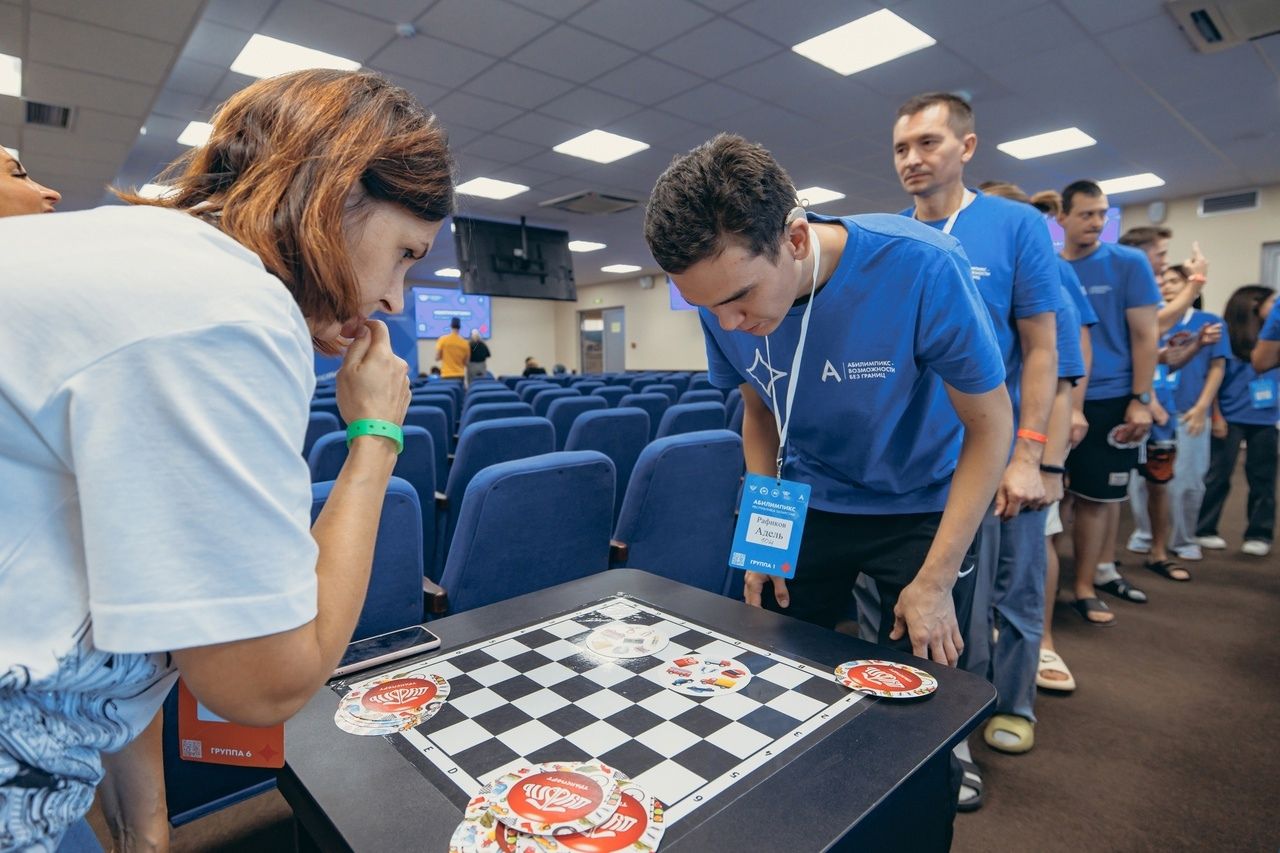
204 736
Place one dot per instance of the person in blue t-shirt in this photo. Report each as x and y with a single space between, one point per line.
1122 290
1266 354
1073 318
1194 352
1015 269
898 490
1248 411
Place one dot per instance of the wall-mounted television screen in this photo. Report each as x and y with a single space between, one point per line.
513 259
1110 230
434 307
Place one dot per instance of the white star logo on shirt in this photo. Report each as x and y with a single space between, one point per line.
767 370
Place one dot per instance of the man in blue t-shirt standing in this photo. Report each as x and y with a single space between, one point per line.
1015 270
893 320
1122 290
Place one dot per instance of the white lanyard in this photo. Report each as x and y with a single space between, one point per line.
966 199
783 426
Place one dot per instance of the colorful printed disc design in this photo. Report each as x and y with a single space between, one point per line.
556 798
391 703
698 675
621 640
886 679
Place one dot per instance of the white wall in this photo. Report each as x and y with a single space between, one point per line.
657 337
1232 242
521 328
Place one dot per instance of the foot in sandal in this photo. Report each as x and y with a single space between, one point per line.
1010 733
1168 569
1053 674
1094 611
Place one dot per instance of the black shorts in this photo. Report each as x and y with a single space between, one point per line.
1158 466
1097 469
889 548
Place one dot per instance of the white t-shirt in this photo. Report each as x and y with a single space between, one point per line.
154 388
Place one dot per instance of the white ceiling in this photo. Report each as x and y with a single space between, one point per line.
512 78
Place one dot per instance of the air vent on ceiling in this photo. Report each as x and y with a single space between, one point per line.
48 115
591 203
1212 205
1214 25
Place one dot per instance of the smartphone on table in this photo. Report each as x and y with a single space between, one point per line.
385 648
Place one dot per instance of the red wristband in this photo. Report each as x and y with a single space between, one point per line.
1031 435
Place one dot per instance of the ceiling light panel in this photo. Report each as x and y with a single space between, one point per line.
600 146
865 43
264 56
491 188
1044 144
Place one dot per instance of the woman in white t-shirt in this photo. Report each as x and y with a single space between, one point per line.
155 378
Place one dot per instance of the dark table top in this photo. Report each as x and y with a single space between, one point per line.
361 793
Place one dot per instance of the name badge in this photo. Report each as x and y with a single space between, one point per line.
770 525
1262 393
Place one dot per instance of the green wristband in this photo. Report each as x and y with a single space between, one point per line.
372 426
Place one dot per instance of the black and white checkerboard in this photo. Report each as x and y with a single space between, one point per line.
537 694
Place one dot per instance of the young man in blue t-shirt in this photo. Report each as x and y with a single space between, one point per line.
1122 290
1015 271
898 488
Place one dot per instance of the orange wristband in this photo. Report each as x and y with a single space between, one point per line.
1031 435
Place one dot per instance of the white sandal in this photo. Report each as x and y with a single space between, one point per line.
1050 661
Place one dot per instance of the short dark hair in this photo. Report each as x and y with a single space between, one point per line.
1075 188
726 188
1180 269
455 323
959 113
1145 235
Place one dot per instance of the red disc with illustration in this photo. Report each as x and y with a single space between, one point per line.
557 798
400 694
886 679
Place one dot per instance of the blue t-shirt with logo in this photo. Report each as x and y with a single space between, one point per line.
1271 328
1116 278
1067 323
1071 283
1188 381
1235 400
1014 267
899 316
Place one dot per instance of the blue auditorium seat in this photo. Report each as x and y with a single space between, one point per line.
434 420
653 404
492 411
671 391
705 395
542 399
563 411
683 483
528 524
691 417
612 394
619 434
319 424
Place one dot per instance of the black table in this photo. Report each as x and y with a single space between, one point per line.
865 784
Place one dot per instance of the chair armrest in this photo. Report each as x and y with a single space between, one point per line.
618 552
437 600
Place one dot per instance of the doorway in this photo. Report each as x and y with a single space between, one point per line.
602 340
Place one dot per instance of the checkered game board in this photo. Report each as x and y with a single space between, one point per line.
537 694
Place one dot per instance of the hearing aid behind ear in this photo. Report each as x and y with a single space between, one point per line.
797 212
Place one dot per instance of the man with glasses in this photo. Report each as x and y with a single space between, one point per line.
1122 290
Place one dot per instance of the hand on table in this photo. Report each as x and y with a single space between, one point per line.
926 614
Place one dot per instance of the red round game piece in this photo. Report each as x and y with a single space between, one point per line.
400 694
886 679
555 797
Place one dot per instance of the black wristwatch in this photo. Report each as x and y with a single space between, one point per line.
1144 398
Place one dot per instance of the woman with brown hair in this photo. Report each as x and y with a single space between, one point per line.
154 395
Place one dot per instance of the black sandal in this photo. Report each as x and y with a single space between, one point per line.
972 780
1166 568
1121 588
1085 606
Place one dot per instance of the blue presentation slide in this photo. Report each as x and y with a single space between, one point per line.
434 307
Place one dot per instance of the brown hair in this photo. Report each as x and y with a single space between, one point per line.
1013 192
959 113
1243 320
284 156
1144 235
726 187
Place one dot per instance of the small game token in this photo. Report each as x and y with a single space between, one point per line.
556 798
698 675
886 679
391 703
637 826
621 640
